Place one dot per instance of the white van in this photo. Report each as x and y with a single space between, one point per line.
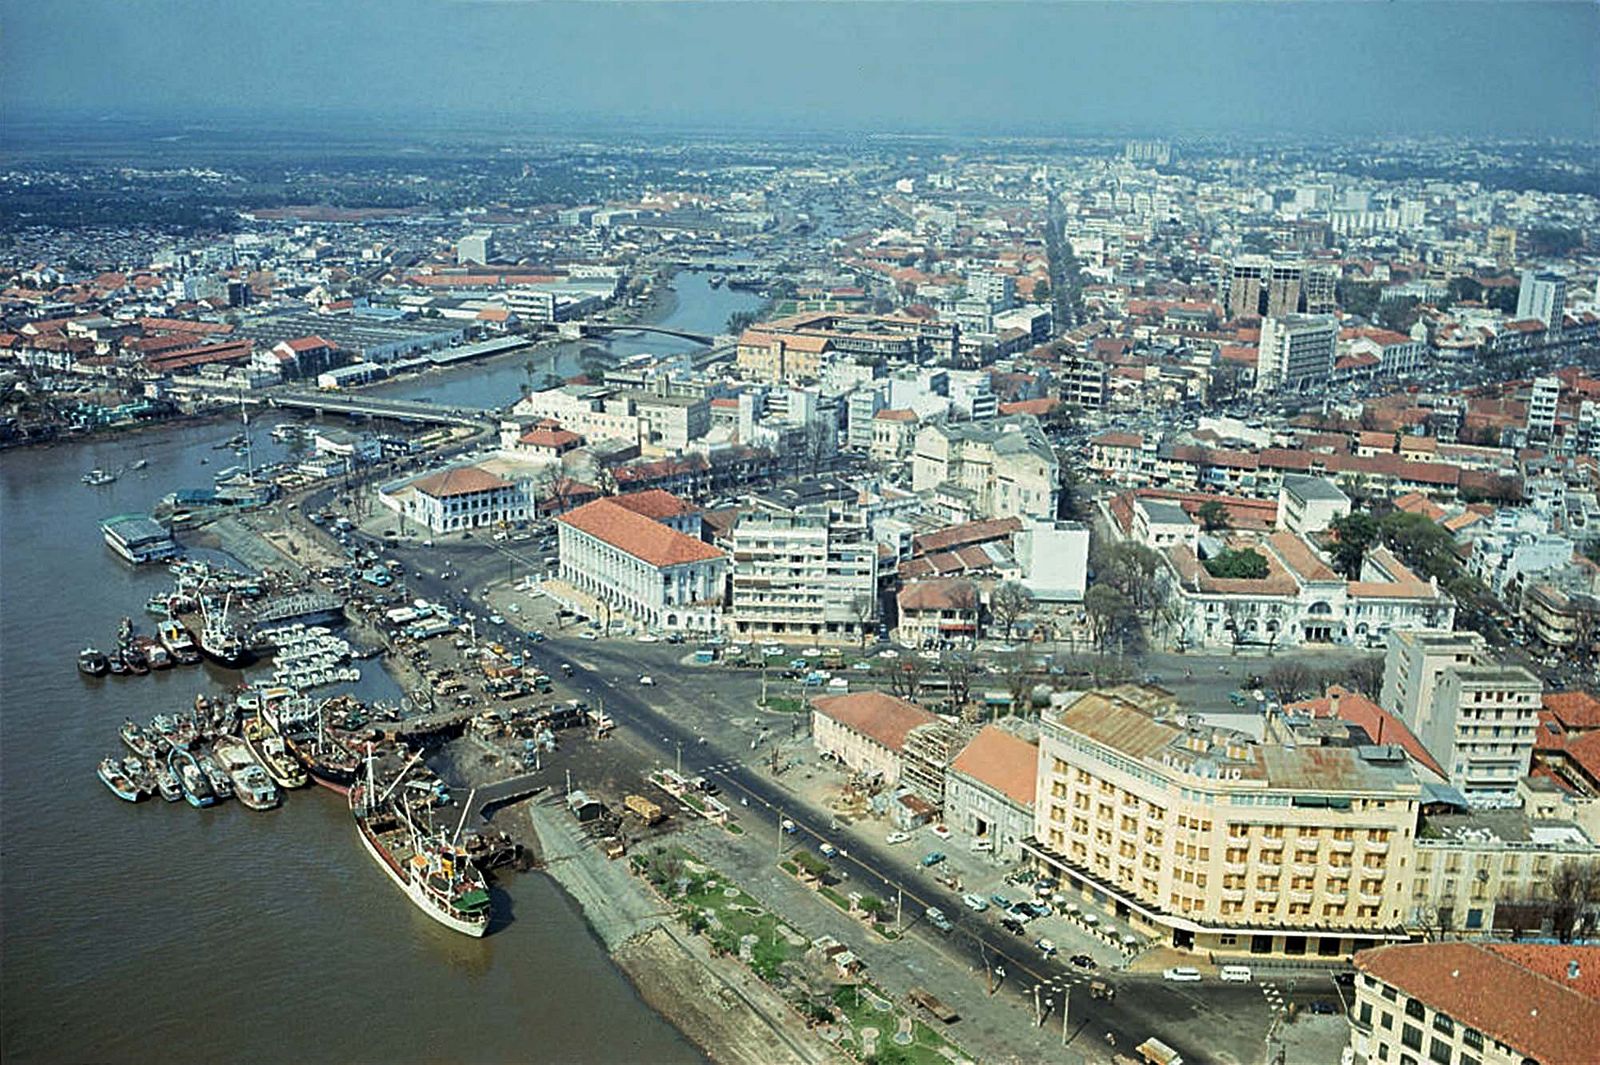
1235 974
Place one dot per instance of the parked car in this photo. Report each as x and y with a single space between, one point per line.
1235 974
975 903
1082 961
1323 1006
937 919
1001 901
1012 925
932 858
896 837
1183 974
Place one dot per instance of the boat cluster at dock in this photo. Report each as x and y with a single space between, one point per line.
263 742
308 657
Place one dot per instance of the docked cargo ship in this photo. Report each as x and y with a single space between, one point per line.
435 874
137 538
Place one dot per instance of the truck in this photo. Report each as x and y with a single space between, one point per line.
933 1005
645 810
1155 1052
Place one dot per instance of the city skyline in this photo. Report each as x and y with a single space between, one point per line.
1330 69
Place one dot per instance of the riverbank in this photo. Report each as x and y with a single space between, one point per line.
719 1006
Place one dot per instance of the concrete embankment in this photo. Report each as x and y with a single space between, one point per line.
719 1005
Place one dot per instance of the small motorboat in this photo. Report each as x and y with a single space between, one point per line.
91 663
118 664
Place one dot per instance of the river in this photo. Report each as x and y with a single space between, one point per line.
698 308
138 932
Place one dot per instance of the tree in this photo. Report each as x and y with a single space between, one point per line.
1399 315
1008 603
1289 680
1365 675
820 443
1041 290
1108 609
905 677
959 671
1358 298
739 321
1132 567
1465 289
864 608
1019 679
1213 515
1243 564
1574 891
1357 531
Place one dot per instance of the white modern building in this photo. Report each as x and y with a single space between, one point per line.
804 577
1054 556
1542 296
1296 352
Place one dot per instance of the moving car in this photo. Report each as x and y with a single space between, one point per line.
937 919
828 850
1082 961
942 831
1235 974
1183 974
647 680
975 903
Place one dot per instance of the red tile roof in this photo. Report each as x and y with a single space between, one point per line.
876 715
642 537
459 481
1382 726
1003 761
1516 993
1577 711
655 503
557 438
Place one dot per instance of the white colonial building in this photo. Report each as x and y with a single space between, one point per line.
460 498
1301 600
989 788
641 554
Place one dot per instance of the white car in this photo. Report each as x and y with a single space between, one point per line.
888 652
587 636
647 638
1183 974
862 667
647 680
896 837
812 652
942 831
975 903
496 619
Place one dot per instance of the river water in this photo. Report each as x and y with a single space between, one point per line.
132 932
496 383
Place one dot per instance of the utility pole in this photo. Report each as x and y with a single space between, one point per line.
1066 1008
999 976
1038 1017
899 898
679 769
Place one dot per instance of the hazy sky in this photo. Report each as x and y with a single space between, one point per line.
1054 68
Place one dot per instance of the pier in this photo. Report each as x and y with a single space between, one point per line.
487 799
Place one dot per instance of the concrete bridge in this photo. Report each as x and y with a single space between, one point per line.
600 328
402 410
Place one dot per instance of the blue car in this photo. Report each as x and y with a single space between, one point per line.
932 858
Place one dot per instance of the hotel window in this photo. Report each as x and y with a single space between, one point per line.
1411 1036
1415 1008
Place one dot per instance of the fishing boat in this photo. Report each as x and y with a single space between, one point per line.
176 639
218 777
328 761
251 783
139 464
97 476
435 874
154 654
218 639
141 741
113 776
269 749
177 732
157 605
167 784
91 663
117 663
138 771
133 656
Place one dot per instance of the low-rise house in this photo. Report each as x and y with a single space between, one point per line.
989 791
866 732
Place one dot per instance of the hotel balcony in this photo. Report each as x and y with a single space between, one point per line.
1343 846
1370 900
1304 868
1237 868
1374 847
1232 894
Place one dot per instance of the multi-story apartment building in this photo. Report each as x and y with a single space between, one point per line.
1542 296
800 346
803 576
1477 718
1258 287
1296 352
641 554
1212 841
1002 468
1475 1004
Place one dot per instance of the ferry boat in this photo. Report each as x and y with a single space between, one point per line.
435 874
113 776
268 748
97 476
176 639
91 663
139 538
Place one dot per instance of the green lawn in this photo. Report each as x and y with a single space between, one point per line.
922 1050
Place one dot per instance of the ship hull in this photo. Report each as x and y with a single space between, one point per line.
413 890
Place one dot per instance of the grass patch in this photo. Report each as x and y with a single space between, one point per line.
784 704
789 867
811 863
733 828
925 1045
835 898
